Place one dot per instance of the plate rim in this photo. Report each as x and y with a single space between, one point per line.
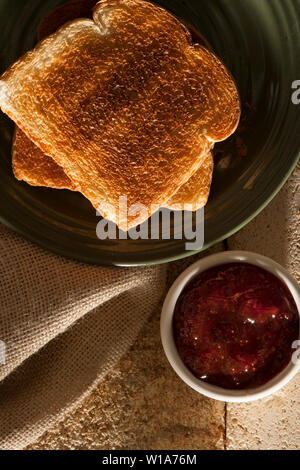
161 260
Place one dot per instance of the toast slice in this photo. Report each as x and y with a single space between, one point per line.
30 164
196 191
122 117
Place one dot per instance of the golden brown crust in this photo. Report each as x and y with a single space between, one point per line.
122 117
195 192
30 164
67 12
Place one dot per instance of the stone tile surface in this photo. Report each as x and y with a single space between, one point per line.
274 422
142 404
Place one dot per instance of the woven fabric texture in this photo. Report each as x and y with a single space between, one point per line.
64 325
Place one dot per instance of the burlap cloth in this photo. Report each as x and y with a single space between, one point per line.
65 325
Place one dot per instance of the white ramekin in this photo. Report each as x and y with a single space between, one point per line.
166 326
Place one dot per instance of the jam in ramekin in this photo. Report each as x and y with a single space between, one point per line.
235 325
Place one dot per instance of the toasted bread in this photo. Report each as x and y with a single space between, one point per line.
69 11
194 194
30 164
122 117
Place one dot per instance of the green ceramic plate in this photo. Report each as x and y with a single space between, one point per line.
259 40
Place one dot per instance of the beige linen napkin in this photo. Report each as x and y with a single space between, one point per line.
64 326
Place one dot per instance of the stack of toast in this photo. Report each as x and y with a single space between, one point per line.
117 101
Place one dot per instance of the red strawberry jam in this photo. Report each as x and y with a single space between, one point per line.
234 326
